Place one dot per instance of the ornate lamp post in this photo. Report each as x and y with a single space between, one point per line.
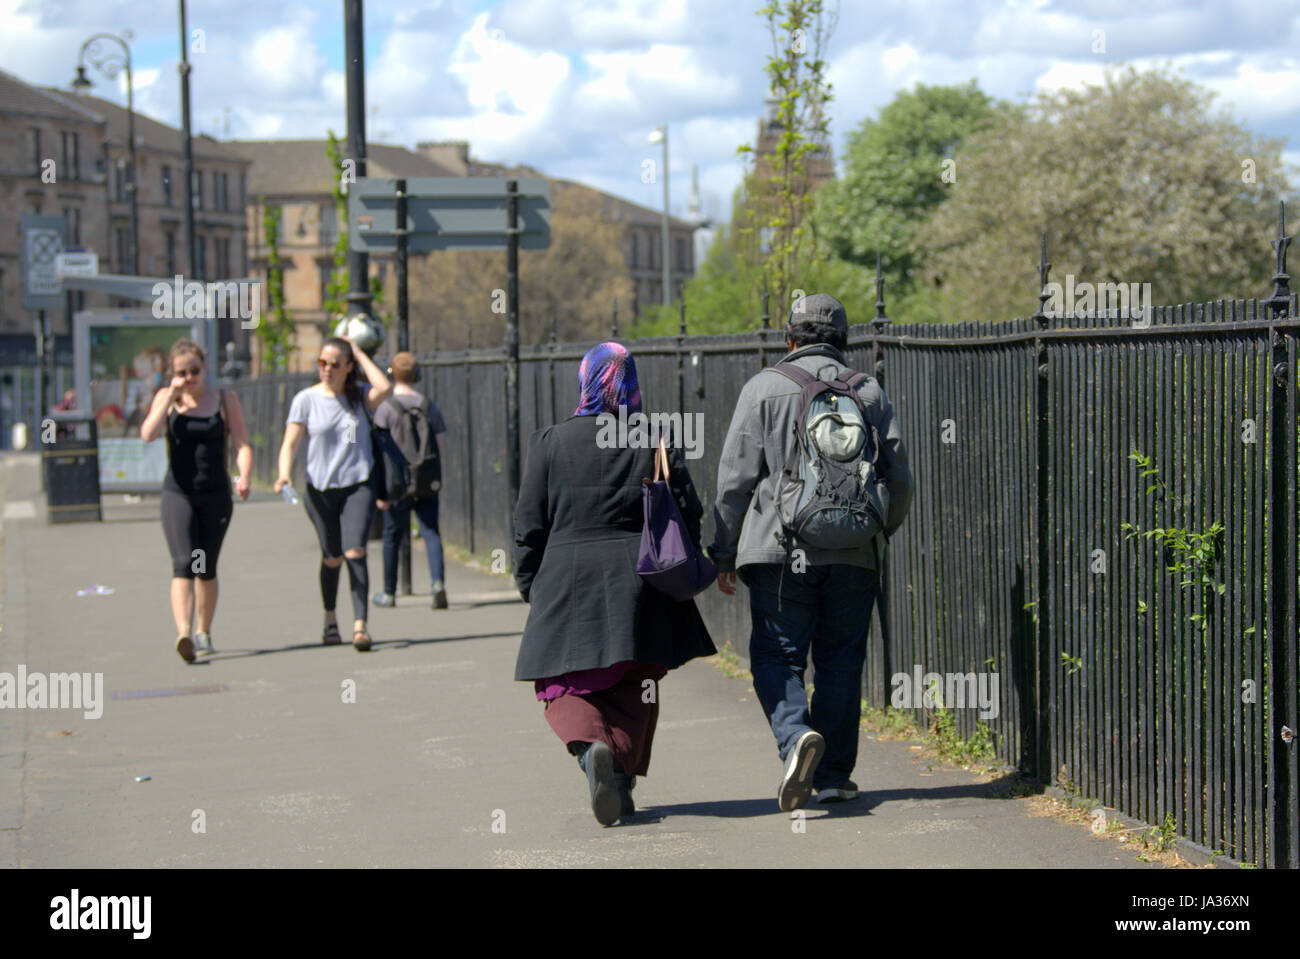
109 62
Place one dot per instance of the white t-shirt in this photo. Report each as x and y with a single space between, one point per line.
338 438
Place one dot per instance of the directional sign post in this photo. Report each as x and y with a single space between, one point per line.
458 213
447 213
43 240
77 264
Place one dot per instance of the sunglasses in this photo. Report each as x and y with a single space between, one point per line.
329 364
192 371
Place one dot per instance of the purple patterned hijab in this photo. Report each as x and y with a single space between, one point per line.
607 378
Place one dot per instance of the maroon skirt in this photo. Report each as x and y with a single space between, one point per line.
618 716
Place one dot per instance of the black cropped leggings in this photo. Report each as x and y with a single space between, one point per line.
342 519
195 525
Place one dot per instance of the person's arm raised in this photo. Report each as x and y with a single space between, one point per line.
380 387
156 420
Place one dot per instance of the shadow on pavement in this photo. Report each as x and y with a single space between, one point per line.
377 645
862 806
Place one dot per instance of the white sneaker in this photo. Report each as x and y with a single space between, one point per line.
203 644
800 764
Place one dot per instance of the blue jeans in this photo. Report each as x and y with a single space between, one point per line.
826 608
397 524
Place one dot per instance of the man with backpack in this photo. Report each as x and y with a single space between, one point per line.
408 425
812 481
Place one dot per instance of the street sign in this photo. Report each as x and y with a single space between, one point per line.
447 213
43 239
77 264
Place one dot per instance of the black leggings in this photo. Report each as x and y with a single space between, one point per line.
342 519
195 526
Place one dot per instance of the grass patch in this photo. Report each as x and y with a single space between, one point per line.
941 739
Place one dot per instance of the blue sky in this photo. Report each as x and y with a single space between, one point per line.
575 86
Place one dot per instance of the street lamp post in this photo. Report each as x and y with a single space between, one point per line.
108 63
660 135
191 246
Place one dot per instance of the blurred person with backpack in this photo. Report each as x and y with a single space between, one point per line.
408 425
812 481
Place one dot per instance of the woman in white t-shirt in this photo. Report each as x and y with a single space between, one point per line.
334 417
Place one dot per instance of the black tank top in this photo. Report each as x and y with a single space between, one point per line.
196 452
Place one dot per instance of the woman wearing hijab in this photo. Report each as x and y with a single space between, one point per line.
598 638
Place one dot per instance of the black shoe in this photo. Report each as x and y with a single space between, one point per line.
598 763
626 784
439 595
846 791
796 784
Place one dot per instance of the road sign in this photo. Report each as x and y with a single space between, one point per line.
43 240
77 264
447 213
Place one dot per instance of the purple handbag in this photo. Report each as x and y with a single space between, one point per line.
668 560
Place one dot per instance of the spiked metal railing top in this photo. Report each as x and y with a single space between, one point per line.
1044 268
880 321
1279 303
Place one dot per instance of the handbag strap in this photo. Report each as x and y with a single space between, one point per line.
661 458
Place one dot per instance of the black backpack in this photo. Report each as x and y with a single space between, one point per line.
415 472
830 494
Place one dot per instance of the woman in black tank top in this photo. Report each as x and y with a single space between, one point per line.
196 504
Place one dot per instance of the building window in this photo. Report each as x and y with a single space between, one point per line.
198 190
169 239
654 256
680 249
119 181
631 250
243 191
72 216
123 235
329 224
167 185
34 150
326 276
201 257
221 250
71 156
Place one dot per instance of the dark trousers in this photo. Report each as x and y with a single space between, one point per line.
618 716
824 609
397 525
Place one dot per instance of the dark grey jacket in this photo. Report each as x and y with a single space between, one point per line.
761 439
577 535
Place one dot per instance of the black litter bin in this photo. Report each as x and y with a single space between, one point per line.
71 468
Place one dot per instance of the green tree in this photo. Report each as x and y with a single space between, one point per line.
772 238
276 331
898 167
1136 180
336 290
776 233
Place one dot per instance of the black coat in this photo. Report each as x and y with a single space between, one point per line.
577 536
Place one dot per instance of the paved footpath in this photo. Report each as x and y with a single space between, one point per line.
442 760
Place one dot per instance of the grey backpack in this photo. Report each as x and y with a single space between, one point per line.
830 494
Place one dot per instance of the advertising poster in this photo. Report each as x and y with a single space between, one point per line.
127 366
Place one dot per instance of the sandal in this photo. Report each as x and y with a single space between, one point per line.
185 646
361 641
331 637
